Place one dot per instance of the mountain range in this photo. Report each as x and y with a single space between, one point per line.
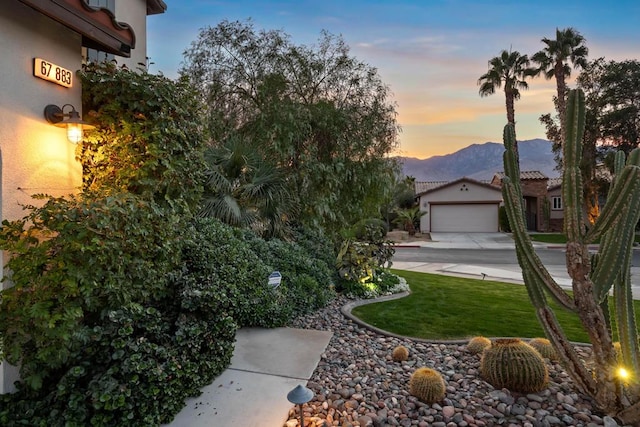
481 162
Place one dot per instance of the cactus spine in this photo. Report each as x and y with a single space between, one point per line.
427 385
515 365
591 283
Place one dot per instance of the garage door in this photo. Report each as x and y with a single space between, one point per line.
464 218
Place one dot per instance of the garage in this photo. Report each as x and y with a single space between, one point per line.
464 218
464 205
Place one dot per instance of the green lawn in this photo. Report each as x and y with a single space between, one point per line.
444 307
548 237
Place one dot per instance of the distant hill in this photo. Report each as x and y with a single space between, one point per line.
481 161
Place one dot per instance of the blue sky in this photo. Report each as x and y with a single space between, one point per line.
429 52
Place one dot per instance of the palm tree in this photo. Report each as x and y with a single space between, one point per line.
553 61
245 190
509 70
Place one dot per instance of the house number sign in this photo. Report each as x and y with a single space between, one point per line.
52 72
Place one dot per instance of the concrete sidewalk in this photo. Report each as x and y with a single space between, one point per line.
502 273
252 392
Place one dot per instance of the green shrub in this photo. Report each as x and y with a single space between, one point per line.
306 280
317 245
103 315
370 230
222 263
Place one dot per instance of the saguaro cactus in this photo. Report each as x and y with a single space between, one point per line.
593 278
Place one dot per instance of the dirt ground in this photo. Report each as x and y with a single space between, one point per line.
398 236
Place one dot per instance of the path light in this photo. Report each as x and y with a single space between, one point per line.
74 124
299 396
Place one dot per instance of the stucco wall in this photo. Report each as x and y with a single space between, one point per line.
463 191
36 156
555 213
134 13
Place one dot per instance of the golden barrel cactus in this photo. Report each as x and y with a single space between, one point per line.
400 354
427 385
515 365
544 347
476 345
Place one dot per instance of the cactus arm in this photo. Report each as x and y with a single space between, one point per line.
571 176
617 242
528 259
627 331
622 191
532 267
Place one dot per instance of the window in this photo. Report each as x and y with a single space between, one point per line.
556 203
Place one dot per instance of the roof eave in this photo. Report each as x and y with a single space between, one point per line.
155 7
98 26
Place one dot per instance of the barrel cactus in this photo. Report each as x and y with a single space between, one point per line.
477 345
400 354
544 347
427 385
515 365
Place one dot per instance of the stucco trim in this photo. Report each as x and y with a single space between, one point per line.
98 26
458 181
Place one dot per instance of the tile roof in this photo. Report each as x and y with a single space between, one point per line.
554 182
526 175
421 187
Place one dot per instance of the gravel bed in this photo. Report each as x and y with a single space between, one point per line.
357 383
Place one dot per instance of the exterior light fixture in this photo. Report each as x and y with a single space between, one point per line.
299 396
74 123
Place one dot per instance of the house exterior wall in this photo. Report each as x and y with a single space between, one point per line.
35 156
135 12
537 189
556 216
461 192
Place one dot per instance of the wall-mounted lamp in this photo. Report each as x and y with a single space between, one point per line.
74 124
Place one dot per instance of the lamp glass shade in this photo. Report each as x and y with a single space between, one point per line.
74 132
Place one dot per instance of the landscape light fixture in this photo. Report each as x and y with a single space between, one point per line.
71 120
299 396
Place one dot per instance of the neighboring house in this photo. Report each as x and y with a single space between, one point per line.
534 192
464 205
556 207
467 205
42 45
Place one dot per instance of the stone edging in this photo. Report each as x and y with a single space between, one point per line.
346 311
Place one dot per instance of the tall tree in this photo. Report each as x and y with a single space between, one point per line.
619 102
508 71
554 62
319 113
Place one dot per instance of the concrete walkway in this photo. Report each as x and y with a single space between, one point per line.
266 365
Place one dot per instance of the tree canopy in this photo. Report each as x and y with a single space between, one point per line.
553 60
316 112
509 70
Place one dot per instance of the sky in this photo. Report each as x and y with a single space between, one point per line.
429 52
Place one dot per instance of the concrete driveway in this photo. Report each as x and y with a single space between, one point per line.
470 241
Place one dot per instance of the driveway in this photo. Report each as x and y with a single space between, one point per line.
470 241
